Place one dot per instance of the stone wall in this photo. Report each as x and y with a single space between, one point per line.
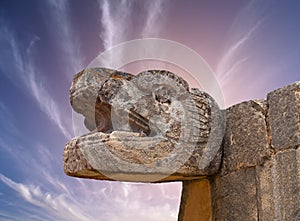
259 177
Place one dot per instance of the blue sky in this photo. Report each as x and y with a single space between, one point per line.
252 46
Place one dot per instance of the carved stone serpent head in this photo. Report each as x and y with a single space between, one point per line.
149 127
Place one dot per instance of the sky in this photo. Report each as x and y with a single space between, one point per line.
252 47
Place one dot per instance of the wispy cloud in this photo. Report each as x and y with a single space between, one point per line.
154 20
47 104
54 207
112 202
115 21
238 59
230 62
66 36
26 75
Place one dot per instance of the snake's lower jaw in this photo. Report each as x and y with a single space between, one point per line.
145 129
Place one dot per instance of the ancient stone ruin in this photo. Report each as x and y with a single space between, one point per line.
242 163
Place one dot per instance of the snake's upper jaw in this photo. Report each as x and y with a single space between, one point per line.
143 128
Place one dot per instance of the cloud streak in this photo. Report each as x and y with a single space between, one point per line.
114 21
115 201
57 207
26 75
238 59
229 62
153 25
66 36
117 19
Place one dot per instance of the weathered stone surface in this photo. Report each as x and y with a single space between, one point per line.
265 188
279 187
195 201
284 115
234 196
256 182
84 94
246 138
144 126
76 164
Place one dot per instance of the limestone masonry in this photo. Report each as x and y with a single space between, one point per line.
259 178
249 171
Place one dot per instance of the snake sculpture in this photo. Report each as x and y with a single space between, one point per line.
147 128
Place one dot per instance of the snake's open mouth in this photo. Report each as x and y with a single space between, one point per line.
148 125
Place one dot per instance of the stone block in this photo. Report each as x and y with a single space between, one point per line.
234 196
284 116
246 138
279 187
265 189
